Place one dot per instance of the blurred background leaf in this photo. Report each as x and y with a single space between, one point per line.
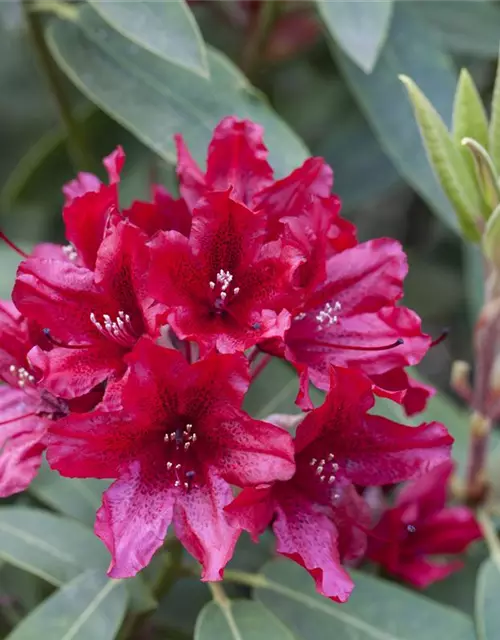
377 609
165 28
90 606
359 28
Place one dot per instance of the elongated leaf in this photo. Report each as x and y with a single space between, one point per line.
51 547
469 115
166 28
464 26
451 167
494 146
411 49
73 497
90 606
240 620
487 611
377 609
359 28
155 99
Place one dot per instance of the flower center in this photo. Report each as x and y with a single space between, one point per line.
120 329
180 443
325 469
22 377
328 315
222 288
70 252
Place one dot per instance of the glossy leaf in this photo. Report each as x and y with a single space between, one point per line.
359 28
166 28
451 167
51 547
376 610
155 99
469 115
90 606
75 497
487 590
239 620
411 49
464 26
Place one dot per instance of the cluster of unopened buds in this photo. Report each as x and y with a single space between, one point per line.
127 355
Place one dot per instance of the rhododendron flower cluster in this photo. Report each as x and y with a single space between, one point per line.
127 354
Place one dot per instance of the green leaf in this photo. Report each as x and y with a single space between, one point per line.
376 610
141 596
73 497
453 171
359 28
411 49
155 99
240 620
469 115
275 390
491 238
468 27
90 606
494 146
487 611
51 547
166 28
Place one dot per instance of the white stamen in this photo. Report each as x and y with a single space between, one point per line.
169 465
177 483
328 315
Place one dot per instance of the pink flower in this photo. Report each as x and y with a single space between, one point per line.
412 537
93 318
178 443
22 407
318 518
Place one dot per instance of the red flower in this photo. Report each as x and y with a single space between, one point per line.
176 446
224 286
94 318
351 320
420 526
86 213
22 426
398 386
237 159
319 518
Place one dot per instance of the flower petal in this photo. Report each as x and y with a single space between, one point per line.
250 452
237 158
310 538
133 519
202 527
